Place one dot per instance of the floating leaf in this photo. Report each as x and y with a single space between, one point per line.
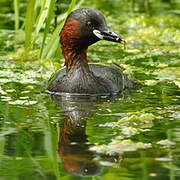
150 82
177 83
166 143
118 147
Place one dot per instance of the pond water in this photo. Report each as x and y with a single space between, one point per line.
132 136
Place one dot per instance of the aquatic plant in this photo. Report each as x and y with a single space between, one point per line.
39 17
136 136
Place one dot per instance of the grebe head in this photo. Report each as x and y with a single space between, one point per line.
84 27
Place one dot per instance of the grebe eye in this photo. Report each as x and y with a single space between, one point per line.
90 26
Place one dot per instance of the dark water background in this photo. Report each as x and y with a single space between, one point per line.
133 136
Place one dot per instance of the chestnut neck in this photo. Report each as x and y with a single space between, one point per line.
71 44
75 58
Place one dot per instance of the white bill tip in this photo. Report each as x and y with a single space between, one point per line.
98 34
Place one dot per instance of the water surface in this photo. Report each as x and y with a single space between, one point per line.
134 135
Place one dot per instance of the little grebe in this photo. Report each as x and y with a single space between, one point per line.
84 27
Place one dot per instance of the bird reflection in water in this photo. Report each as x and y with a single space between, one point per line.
73 147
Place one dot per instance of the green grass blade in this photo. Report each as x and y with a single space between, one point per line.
51 146
58 51
41 17
16 12
52 45
72 5
48 20
29 23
